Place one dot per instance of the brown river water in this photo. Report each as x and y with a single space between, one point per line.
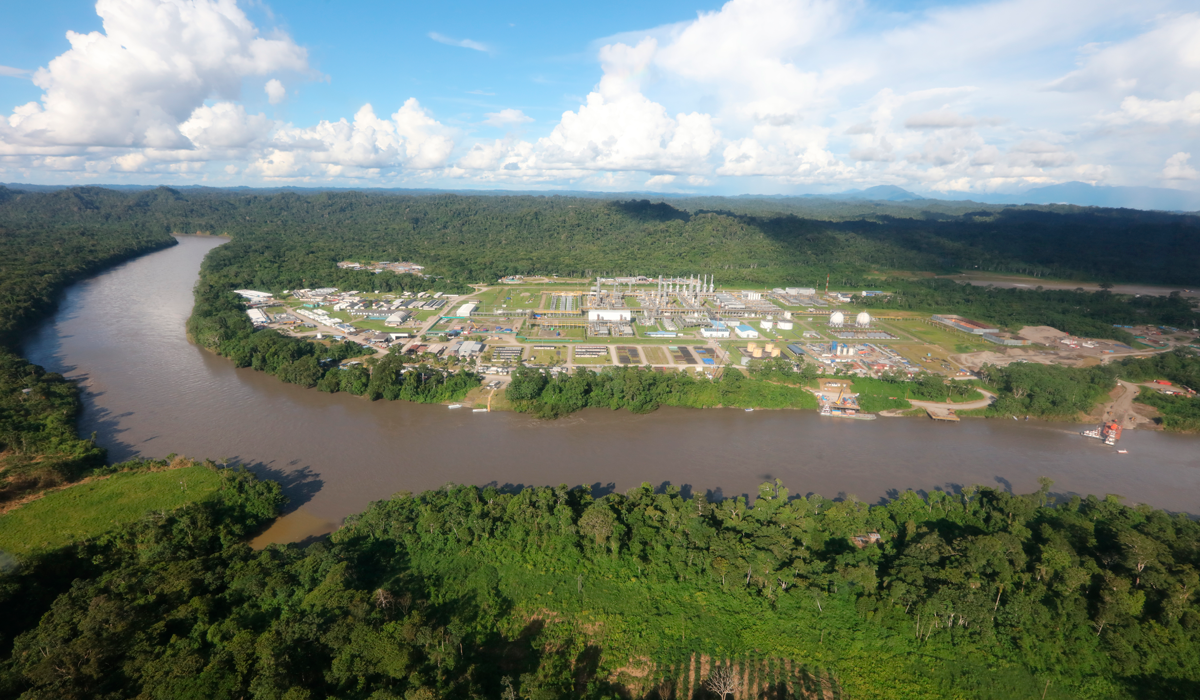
150 393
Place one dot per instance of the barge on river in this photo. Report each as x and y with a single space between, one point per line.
1108 432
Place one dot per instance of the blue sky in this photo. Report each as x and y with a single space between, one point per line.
750 96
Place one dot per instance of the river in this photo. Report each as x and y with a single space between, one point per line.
148 392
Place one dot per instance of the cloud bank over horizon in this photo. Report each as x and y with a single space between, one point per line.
757 95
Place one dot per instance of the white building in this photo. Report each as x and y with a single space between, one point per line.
397 319
718 330
610 315
258 317
253 295
743 331
466 309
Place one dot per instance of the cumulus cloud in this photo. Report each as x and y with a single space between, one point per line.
225 125
660 180
619 128
155 63
461 43
506 117
1177 168
275 91
1133 109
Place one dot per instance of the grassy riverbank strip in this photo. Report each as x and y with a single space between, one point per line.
100 504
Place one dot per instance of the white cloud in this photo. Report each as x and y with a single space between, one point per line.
939 119
1133 109
660 180
506 117
275 90
14 72
1177 168
462 43
1164 59
619 128
225 125
155 63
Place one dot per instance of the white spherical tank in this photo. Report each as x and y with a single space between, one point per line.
863 320
837 318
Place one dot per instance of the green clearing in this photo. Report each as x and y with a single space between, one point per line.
95 507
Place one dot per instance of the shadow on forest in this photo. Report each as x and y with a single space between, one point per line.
299 485
642 209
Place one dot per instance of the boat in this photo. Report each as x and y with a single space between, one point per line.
832 412
749 410
479 410
455 405
1122 452
1108 432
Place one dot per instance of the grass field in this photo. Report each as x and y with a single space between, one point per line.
655 355
95 507
546 357
602 360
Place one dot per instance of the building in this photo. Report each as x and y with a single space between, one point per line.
744 331
965 325
253 295
466 309
398 318
469 348
610 315
258 317
718 330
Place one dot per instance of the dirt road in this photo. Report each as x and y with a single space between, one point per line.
1121 409
987 400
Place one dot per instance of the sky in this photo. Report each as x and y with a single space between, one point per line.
743 97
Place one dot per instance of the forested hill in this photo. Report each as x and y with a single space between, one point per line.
480 238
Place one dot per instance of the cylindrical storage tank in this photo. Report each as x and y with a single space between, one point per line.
837 318
770 347
767 325
775 352
751 346
784 325
758 352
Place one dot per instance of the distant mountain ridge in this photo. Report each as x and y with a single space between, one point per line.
1077 193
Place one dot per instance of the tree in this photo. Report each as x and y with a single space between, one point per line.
724 682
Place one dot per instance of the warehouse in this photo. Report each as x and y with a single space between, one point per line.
610 315
744 331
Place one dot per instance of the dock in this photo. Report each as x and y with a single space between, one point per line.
946 414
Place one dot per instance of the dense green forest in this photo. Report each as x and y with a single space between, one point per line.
742 241
548 593
1085 314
